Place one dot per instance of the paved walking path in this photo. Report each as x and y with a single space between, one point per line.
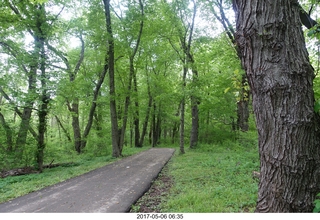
112 188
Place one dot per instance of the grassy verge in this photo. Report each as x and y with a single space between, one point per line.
209 179
214 179
15 186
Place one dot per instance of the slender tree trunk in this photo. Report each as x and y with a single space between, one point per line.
18 112
132 75
136 120
243 104
43 107
158 126
194 135
175 127
8 132
109 60
27 110
182 110
63 128
154 126
126 104
272 45
182 126
93 108
74 109
146 120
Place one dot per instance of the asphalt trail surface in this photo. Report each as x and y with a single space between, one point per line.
110 189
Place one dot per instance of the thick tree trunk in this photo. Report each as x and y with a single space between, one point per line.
276 61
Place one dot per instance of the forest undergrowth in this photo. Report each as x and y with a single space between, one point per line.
14 186
215 178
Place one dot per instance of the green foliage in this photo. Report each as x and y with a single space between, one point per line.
317 205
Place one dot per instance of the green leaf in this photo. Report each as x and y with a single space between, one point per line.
311 32
317 106
226 90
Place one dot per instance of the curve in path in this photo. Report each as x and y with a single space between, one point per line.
112 188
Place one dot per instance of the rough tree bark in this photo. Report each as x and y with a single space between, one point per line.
275 58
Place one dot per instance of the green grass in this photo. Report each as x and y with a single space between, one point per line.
210 179
15 186
214 178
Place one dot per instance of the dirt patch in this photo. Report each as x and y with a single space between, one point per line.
151 201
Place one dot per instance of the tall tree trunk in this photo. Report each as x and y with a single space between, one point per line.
280 75
182 126
7 129
182 110
43 107
109 60
126 104
27 110
98 125
74 109
154 126
243 104
8 132
96 93
18 112
136 120
132 76
146 120
63 128
194 134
